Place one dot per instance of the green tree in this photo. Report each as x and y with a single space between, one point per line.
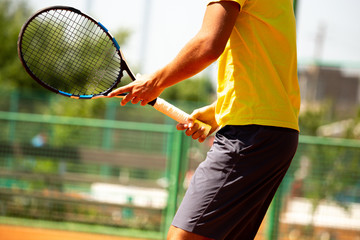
197 90
12 16
314 116
332 171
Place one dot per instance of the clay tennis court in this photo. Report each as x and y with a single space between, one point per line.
8 232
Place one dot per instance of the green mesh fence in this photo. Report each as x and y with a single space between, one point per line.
62 172
88 170
320 196
106 171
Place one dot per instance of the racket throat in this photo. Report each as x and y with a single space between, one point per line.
124 66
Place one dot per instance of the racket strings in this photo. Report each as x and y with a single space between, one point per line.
99 34
75 48
35 53
51 50
88 29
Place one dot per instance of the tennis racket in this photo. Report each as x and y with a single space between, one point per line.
72 54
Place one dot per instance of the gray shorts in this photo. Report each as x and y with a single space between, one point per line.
231 190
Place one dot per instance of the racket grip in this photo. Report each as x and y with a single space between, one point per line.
177 114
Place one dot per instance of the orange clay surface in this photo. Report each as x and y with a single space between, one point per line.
8 232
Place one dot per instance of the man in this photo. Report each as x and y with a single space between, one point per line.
256 110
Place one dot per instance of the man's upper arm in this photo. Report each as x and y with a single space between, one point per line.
219 21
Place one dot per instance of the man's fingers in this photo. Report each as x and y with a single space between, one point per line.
126 99
135 100
144 102
120 90
192 128
182 126
202 138
197 134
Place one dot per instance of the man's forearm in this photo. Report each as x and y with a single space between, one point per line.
192 59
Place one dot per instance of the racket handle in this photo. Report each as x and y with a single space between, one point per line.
177 114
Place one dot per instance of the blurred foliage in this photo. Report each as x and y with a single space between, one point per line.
314 117
12 16
329 171
193 90
332 174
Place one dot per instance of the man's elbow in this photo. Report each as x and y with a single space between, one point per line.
214 50
210 47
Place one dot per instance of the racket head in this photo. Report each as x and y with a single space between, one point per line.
70 53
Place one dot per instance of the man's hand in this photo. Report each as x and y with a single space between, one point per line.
142 90
205 114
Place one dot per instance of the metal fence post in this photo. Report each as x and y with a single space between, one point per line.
273 222
174 173
14 107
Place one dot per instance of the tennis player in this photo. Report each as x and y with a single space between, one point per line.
256 113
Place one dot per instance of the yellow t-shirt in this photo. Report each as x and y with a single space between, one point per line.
257 75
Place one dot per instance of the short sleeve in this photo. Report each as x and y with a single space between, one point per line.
240 2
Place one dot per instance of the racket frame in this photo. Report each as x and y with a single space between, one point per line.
158 103
123 64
